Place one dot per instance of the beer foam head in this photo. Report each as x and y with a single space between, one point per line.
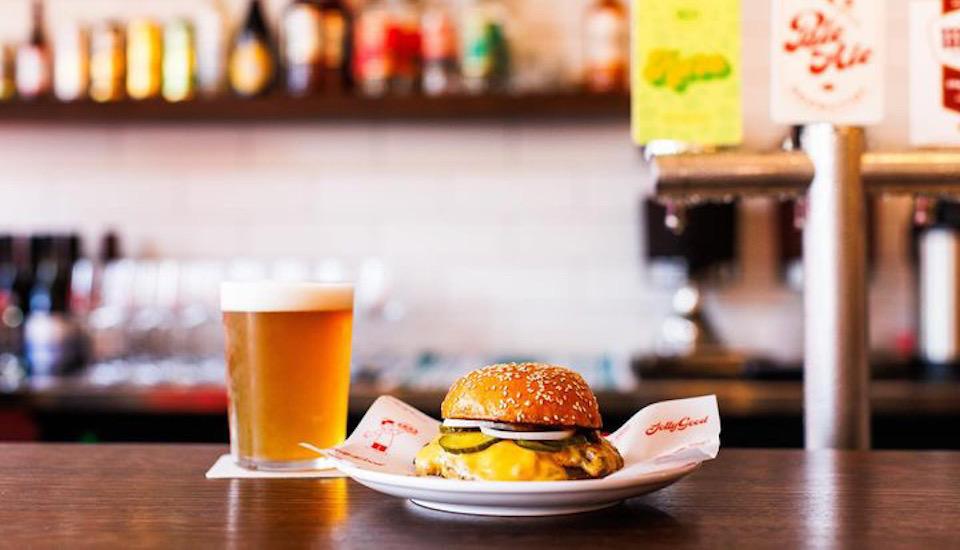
276 296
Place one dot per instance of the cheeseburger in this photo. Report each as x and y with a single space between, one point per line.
519 422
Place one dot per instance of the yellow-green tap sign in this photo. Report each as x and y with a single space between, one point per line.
686 71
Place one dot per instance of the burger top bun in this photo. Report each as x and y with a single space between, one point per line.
523 393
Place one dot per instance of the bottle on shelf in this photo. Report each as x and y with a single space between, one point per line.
403 44
211 48
606 47
252 66
107 62
486 53
144 58
179 61
303 43
371 67
52 339
337 46
47 284
33 60
110 250
387 48
71 62
84 280
8 87
441 68
13 280
107 321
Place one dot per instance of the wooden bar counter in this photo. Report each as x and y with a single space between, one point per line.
156 496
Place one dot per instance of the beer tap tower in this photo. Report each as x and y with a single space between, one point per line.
833 175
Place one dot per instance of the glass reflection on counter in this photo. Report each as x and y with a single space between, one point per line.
253 519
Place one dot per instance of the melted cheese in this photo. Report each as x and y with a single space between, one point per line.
506 461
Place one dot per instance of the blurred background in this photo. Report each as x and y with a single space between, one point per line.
467 162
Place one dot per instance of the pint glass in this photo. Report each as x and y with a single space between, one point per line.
288 370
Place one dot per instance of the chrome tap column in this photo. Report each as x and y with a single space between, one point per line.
836 373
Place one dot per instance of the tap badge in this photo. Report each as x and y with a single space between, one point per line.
945 42
827 61
685 74
934 80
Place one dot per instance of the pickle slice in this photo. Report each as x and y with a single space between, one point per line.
575 440
540 446
456 430
466 442
551 446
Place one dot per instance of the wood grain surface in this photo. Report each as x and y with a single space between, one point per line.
156 496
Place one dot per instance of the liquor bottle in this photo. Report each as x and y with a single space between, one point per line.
387 54
252 69
52 339
71 62
8 87
33 60
403 46
179 61
12 298
144 58
84 277
606 47
440 50
486 53
211 44
371 64
303 43
107 62
337 46
110 250
107 320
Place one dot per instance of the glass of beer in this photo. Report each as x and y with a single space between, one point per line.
288 370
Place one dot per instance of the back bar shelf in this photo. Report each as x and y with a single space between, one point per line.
280 108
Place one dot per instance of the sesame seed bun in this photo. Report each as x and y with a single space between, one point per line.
523 393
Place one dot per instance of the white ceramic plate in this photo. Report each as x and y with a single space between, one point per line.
516 498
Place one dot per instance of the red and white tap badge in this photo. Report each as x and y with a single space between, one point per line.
827 61
935 72
947 45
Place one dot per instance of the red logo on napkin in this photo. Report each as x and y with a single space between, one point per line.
675 425
382 437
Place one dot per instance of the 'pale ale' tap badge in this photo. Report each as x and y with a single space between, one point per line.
935 72
827 60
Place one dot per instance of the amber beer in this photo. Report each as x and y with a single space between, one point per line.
288 369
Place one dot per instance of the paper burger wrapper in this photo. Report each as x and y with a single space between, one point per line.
660 436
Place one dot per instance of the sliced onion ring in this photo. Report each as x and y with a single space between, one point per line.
513 427
529 436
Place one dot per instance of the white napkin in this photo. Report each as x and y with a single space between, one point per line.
658 437
226 468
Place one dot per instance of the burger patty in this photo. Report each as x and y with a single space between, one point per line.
507 461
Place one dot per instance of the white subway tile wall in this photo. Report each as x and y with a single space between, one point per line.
515 237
